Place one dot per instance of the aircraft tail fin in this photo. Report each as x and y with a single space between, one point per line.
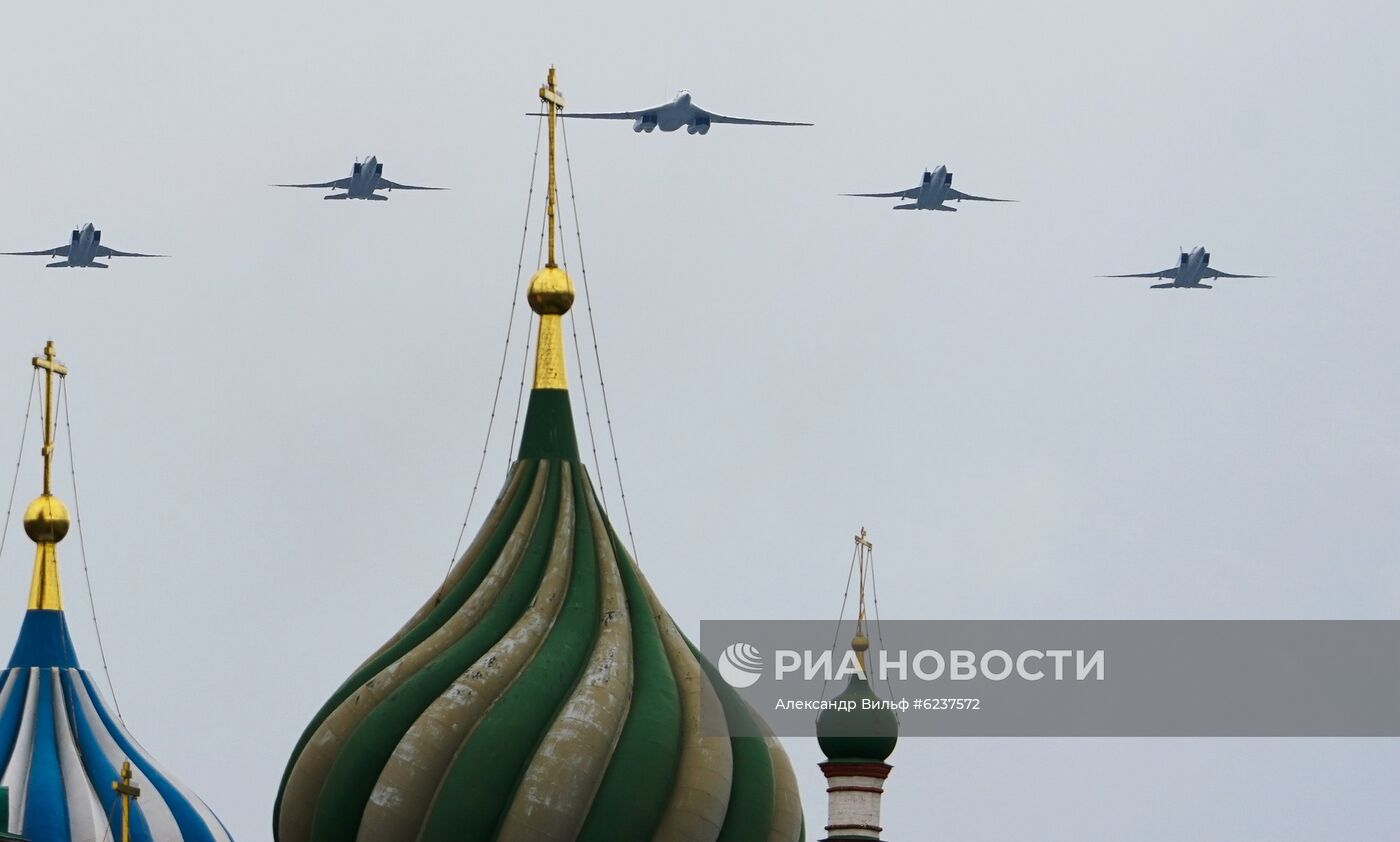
56 264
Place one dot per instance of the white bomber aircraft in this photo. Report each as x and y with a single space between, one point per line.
365 178
1190 270
680 111
934 189
82 251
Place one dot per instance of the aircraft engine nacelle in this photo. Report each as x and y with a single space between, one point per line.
948 180
96 237
378 169
700 126
76 234
358 167
692 129
645 123
1205 259
1184 257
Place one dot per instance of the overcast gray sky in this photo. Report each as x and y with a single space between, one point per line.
276 429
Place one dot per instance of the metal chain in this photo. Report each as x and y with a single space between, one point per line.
505 352
879 632
583 382
845 596
524 364
593 330
14 484
111 818
82 545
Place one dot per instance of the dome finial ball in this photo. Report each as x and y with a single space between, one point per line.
551 292
46 520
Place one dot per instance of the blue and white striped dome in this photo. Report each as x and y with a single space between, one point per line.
62 750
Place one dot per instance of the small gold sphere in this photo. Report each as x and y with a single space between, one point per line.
46 520
551 293
860 643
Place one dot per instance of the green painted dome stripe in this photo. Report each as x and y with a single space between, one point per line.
357 767
549 427
453 599
450 603
635 789
751 794
471 559
479 786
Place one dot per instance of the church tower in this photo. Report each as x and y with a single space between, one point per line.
73 772
543 694
858 740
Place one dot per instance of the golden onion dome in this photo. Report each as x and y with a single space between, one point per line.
542 692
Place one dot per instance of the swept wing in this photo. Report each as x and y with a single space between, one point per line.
103 251
602 115
338 184
965 197
60 251
1216 273
911 193
386 184
1165 273
742 121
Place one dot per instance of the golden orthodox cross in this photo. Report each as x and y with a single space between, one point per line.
51 366
127 791
864 547
554 102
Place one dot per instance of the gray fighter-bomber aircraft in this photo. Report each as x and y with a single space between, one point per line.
680 111
365 178
935 189
82 251
1188 273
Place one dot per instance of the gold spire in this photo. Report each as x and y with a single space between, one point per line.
46 519
551 293
865 548
125 789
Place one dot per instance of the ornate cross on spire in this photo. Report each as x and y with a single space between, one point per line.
554 102
50 365
127 791
551 293
46 519
865 550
